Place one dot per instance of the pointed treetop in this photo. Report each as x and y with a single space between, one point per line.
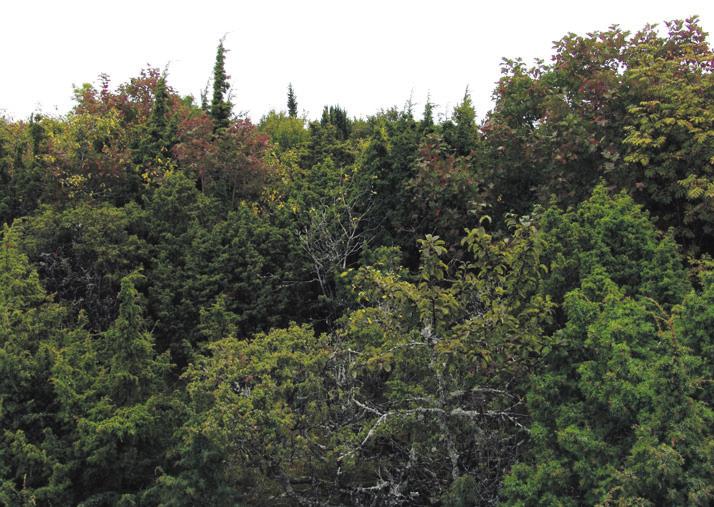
221 106
428 119
464 135
204 98
159 109
129 348
464 113
292 102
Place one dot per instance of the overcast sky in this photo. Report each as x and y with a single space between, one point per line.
363 54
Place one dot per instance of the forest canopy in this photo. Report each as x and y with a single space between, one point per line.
399 309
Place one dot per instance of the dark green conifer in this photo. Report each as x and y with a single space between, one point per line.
129 349
428 121
205 107
160 132
292 102
221 106
462 137
337 117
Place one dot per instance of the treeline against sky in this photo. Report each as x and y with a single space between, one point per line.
394 310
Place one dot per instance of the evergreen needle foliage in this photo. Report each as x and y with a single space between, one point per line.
390 310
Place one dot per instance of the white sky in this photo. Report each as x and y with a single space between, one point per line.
363 54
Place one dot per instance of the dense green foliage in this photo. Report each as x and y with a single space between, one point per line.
391 310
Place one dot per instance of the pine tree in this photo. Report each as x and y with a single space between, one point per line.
112 389
337 117
292 102
205 106
220 104
463 135
29 323
129 350
160 107
160 132
428 121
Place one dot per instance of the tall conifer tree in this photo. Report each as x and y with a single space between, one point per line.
427 122
292 102
221 106
465 133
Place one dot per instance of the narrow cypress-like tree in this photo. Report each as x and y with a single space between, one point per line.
204 98
464 133
159 110
220 104
292 102
160 130
428 121
129 350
